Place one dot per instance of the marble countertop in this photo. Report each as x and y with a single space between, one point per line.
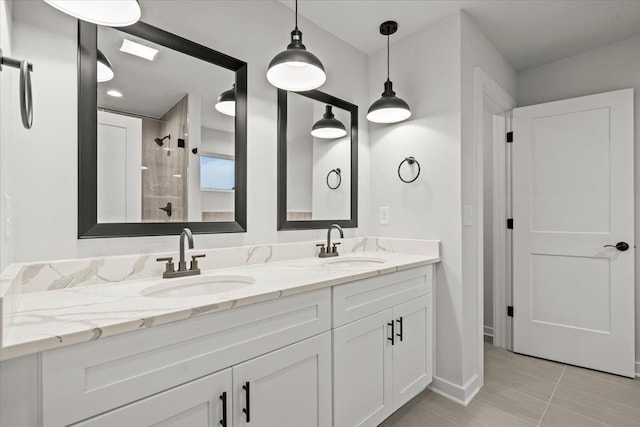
57 318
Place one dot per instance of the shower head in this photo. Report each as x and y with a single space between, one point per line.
160 141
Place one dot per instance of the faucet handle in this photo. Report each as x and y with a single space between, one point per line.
335 247
194 261
169 267
322 247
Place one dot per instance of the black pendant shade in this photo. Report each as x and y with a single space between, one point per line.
328 127
296 69
105 71
226 102
389 108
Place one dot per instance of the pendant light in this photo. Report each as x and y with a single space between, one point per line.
328 127
105 71
296 69
111 13
226 102
389 108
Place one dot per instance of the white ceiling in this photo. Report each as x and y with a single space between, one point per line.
527 32
151 88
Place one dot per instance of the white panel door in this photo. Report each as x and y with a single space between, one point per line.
119 168
412 349
362 371
290 387
572 196
200 403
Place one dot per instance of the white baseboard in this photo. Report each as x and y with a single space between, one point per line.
459 394
638 369
488 330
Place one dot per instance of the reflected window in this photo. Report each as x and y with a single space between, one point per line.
217 173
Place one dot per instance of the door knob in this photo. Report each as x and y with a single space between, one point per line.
621 246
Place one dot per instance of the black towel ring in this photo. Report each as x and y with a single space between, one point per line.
338 172
26 95
411 160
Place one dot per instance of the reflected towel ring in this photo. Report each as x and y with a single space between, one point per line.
338 173
410 160
26 95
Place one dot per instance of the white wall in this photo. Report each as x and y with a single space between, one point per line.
612 67
425 71
476 51
9 118
433 70
45 204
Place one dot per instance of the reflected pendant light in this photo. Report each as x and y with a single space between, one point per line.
226 102
296 69
389 108
328 127
111 13
105 71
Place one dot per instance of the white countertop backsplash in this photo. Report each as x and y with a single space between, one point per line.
47 305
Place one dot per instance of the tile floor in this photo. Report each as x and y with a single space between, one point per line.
525 391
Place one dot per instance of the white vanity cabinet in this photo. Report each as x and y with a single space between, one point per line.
201 403
384 359
343 356
287 387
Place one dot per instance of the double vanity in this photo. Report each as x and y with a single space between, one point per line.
270 336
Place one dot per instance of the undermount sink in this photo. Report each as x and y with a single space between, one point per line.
197 286
354 261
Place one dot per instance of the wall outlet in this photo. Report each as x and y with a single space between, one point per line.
384 215
467 216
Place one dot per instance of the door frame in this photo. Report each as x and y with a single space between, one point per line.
486 88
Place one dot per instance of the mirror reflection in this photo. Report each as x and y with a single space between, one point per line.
166 134
318 160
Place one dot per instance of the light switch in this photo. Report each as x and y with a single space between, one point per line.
384 215
467 218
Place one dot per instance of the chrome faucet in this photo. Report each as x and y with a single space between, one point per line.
182 264
329 250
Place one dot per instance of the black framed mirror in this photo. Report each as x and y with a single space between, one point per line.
160 145
317 161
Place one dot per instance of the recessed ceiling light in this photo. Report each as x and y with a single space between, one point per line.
144 168
138 49
177 175
114 93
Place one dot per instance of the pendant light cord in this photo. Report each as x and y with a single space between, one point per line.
387 56
296 14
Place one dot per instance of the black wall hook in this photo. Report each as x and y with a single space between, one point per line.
410 160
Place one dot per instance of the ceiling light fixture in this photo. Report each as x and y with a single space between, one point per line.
226 102
137 49
296 69
328 127
389 108
114 93
113 13
105 71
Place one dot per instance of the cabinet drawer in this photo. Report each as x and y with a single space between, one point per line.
365 297
88 379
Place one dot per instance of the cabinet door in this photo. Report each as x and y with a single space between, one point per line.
412 352
362 394
290 387
195 404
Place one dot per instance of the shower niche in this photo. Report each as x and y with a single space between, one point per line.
162 134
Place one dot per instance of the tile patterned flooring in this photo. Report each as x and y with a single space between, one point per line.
525 391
